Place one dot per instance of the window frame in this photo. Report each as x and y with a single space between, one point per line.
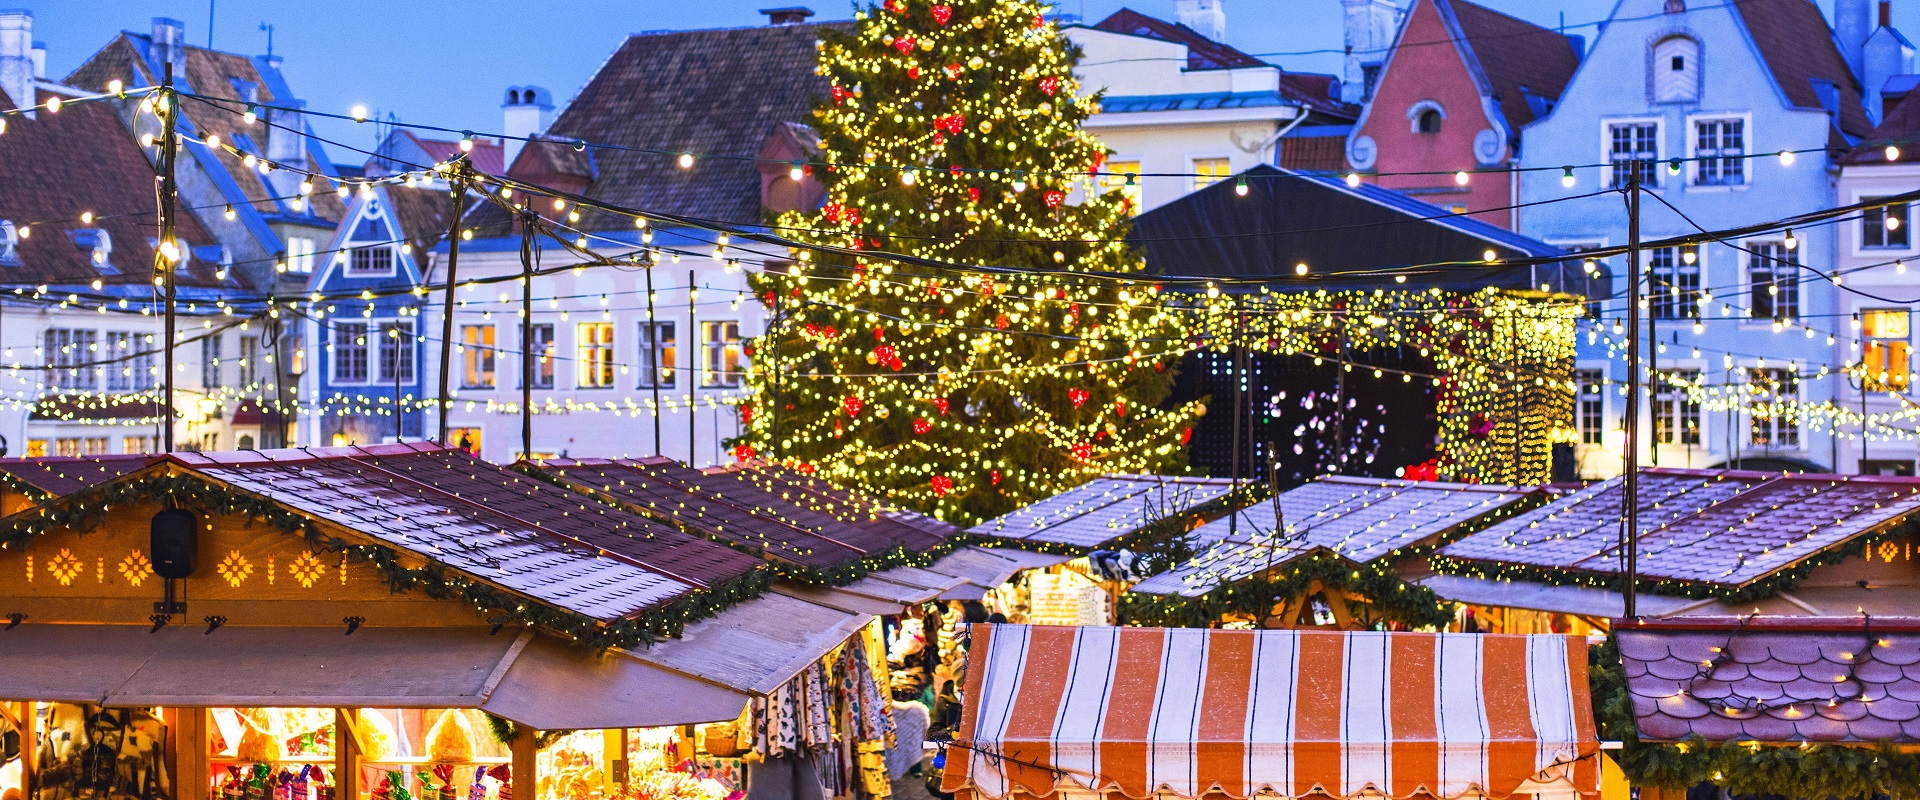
1874 219
66 372
341 342
1651 178
474 354
1790 287
1196 182
544 370
1677 408
1889 346
301 252
404 350
247 361
351 270
1663 302
212 353
1786 426
719 352
1698 166
1590 398
655 359
1112 179
597 355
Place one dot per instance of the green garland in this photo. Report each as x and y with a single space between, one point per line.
1390 598
837 575
1811 771
85 510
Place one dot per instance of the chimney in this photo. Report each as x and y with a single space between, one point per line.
170 43
16 56
1886 13
1206 17
40 61
527 110
1852 24
790 15
1884 56
1370 28
286 139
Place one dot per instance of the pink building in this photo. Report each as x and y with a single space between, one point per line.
1457 88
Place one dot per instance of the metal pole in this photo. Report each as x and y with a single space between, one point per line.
773 363
659 370
1630 500
279 380
459 188
1239 400
169 195
693 370
526 339
1654 384
399 342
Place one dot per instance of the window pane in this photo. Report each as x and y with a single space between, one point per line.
595 360
1115 177
1207 171
350 352
477 366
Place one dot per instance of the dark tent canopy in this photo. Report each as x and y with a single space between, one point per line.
1288 218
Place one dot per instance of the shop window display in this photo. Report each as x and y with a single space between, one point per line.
423 754
91 753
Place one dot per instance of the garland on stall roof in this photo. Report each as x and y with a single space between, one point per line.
1768 586
838 575
1388 598
1791 770
85 510
13 483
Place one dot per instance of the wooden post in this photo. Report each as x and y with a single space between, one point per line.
346 756
526 779
187 728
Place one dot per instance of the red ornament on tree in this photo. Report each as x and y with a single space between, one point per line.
1054 197
940 403
921 425
1120 407
973 195
1083 451
942 13
1186 435
913 73
1078 396
852 405
942 484
840 95
743 452
1049 85
904 44
994 476
1000 322
953 72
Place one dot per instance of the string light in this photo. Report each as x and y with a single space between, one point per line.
686 161
1566 178
1353 180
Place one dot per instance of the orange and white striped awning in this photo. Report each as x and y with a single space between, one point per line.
1188 712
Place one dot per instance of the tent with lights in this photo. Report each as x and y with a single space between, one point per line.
1326 554
1711 542
1370 325
1173 713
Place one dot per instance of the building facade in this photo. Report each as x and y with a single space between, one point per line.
1688 95
1183 110
1450 100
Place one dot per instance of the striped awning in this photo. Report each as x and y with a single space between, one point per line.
1187 713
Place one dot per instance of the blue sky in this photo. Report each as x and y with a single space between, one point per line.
448 63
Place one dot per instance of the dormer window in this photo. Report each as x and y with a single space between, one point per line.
371 261
1676 70
1426 116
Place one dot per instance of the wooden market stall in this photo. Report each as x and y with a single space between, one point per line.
1186 713
1712 542
1326 554
1090 529
399 622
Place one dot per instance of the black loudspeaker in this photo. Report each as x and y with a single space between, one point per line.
174 543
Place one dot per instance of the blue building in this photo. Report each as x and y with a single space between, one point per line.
369 352
1692 92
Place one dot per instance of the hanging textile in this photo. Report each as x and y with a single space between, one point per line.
93 753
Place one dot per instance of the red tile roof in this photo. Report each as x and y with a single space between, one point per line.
56 166
1798 48
1314 153
1516 56
489 156
1900 126
1717 527
1774 680
1202 52
56 476
96 408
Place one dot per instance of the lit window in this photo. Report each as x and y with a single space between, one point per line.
66 447
467 439
36 448
136 444
595 361
1208 171
1123 177
657 354
477 344
723 353
1885 349
93 446
1884 226
300 254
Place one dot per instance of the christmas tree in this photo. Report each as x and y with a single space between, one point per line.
1020 364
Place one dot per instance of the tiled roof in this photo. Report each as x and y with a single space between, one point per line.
1517 57
1434 215
1717 527
1359 519
421 213
1103 509
1774 680
56 166
845 504
715 93
1202 52
1191 102
96 407
489 156
1798 48
1901 125
60 476
213 74
1314 153
743 508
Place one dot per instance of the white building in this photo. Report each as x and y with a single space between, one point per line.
1183 109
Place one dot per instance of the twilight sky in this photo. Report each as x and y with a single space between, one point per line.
448 63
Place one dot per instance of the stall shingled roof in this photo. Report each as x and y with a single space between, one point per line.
1726 528
1358 519
1101 510
424 502
834 536
1774 680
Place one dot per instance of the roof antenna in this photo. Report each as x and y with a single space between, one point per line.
269 30
210 24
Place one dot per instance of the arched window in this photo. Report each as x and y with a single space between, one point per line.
1426 116
1676 70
